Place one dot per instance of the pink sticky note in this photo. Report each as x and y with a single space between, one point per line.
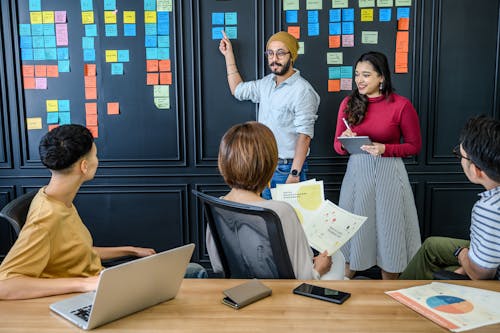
345 84
40 83
60 16
61 34
347 40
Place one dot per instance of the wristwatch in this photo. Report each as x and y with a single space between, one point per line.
457 251
295 172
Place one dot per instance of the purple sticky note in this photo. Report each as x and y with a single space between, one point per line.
345 84
60 16
61 34
347 40
40 83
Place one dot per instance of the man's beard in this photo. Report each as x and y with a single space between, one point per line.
284 68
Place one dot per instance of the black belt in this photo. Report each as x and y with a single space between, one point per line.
285 160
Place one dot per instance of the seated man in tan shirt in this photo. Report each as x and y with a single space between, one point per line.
54 253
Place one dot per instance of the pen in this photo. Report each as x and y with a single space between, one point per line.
346 124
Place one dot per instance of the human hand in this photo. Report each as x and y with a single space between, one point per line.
375 149
322 263
348 132
225 46
460 270
292 179
89 283
143 252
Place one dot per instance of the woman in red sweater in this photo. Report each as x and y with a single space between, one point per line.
376 184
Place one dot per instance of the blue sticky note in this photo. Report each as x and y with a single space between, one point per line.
384 14
129 29
150 29
86 5
26 54
312 16
109 4
217 32
49 41
52 117
231 18
63 105
38 42
163 41
62 53
333 73
218 18
37 29
123 56
63 66
88 43
162 17
35 5
292 16
345 72
49 29
111 30
163 53
90 30
64 118
24 29
313 29
38 54
26 42
149 4
334 29
335 15
347 28
348 14
151 53
231 32
89 55
403 12
163 28
117 68
51 53
150 41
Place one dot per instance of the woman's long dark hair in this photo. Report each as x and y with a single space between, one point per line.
358 103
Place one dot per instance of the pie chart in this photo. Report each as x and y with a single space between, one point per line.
449 304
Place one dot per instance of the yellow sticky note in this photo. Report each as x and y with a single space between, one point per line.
34 123
88 17
149 16
301 49
109 16
52 105
129 16
367 15
36 18
48 17
111 55
162 102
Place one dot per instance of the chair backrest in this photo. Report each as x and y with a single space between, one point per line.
15 212
249 239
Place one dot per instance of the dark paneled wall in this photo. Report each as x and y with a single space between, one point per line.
146 200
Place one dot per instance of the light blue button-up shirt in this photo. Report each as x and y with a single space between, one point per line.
288 109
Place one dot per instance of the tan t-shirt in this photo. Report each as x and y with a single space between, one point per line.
54 243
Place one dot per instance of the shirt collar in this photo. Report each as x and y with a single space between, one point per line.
295 76
490 193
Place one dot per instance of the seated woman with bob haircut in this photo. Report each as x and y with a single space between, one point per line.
248 156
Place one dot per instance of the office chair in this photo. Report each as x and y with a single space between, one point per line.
15 212
249 239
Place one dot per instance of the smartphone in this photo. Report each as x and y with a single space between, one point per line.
325 294
229 302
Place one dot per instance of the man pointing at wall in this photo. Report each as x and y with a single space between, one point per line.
287 104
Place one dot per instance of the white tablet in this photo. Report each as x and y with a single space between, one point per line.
353 143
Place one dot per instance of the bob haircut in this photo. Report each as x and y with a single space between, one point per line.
248 156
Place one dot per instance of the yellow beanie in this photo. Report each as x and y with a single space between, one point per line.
288 40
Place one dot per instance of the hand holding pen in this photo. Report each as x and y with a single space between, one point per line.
348 131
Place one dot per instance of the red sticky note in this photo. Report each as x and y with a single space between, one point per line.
334 41
90 108
94 131
404 23
91 119
52 71
401 62
152 79
402 38
90 93
294 31
90 81
151 65
89 70
164 65
166 78
29 83
113 108
40 70
333 85
28 70
51 127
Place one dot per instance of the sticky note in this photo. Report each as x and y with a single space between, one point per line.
113 108
152 79
52 117
91 119
402 38
301 49
231 32
52 71
109 4
117 68
334 28
150 41
384 14
406 3
150 16
162 102
231 18
63 105
29 83
366 3
401 62
38 42
35 5
62 53
150 29
26 42
403 23
61 34
333 73
369 37
50 54
64 118
291 5
166 78
367 15
152 65
347 40
314 4
40 70
385 3
38 54
33 123
333 85
60 16
151 53
164 65
217 32
48 16
312 16
88 17
111 30
109 16
94 130
164 5
48 29
163 28
313 29
345 72
218 18
36 18
128 16
49 41
294 31
52 105
90 108
160 91
129 30
63 66
91 30
163 41
339 3
87 42
111 55
89 70
347 28
24 29
86 5
90 81
123 56
40 83
402 12
28 70
348 14
334 58
291 16
89 55
90 93
334 15
149 4
37 29
334 42
26 54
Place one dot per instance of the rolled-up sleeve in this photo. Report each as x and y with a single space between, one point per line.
306 112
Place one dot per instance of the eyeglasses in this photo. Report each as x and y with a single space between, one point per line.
279 54
458 154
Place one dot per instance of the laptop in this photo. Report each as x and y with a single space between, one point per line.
128 288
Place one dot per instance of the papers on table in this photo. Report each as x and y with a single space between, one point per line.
454 307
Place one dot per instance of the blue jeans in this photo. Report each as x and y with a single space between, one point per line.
281 174
195 271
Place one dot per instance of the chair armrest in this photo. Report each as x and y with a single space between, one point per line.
448 275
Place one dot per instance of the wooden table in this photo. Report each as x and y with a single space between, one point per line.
197 308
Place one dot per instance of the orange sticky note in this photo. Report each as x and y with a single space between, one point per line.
294 31
113 108
90 93
164 65
402 38
90 81
89 70
28 70
29 83
401 62
40 70
91 119
166 78
90 108
51 127
333 85
151 65
152 79
334 41
52 71
404 23
94 131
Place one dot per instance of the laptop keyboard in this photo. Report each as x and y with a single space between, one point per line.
83 313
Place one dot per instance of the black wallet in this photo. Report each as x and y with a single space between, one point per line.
246 293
